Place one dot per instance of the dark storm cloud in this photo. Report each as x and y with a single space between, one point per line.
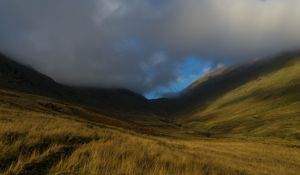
138 44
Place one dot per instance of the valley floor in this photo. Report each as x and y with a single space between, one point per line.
43 142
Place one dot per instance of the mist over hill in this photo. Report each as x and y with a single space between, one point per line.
117 102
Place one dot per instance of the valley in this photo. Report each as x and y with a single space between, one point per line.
242 120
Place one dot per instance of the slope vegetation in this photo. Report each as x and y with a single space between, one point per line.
266 105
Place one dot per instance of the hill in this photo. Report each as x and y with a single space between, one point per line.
235 121
258 99
114 102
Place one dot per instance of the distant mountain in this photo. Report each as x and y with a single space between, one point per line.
115 102
20 77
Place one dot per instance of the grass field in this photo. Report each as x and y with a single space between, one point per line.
54 139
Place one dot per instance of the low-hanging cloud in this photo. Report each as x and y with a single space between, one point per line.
137 44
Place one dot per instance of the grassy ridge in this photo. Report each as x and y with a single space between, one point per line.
268 106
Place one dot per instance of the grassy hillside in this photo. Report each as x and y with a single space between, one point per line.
59 138
268 105
120 103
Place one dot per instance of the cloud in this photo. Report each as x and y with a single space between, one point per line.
138 44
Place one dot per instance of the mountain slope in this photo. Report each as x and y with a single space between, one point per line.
20 77
114 102
216 84
264 102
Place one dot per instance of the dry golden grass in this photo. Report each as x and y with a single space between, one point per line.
43 143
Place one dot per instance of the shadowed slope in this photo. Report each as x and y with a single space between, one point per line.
113 102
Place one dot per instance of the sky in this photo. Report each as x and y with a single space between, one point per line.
189 71
152 47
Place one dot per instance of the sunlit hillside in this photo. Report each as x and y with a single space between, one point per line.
265 106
